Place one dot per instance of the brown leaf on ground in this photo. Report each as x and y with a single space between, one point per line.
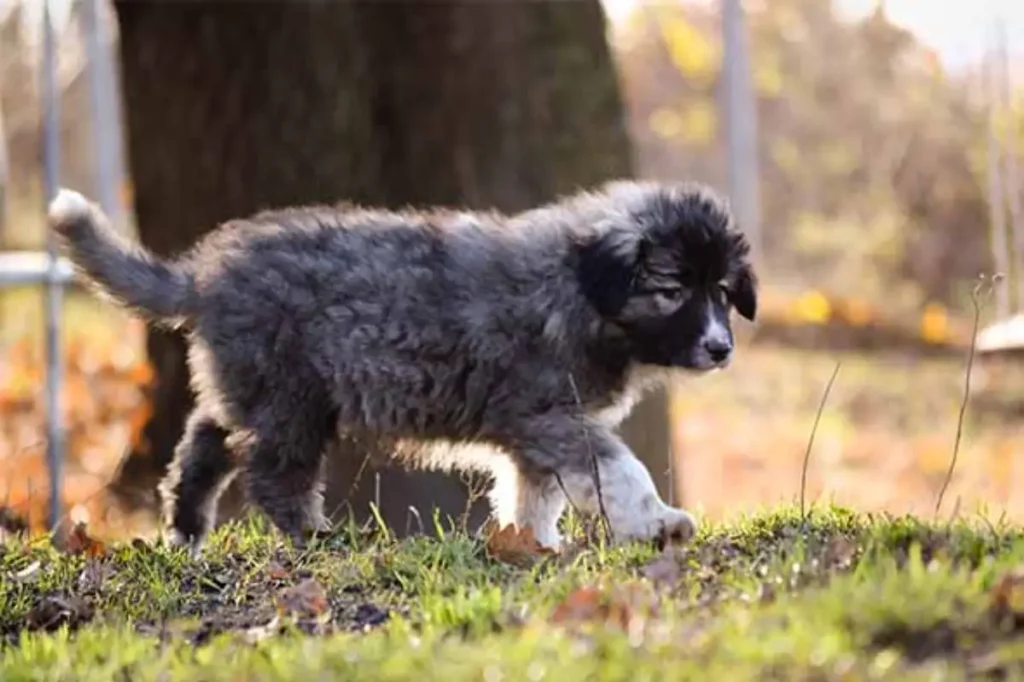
1007 597
626 607
582 604
276 571
78 541
515 546
104 404
307 599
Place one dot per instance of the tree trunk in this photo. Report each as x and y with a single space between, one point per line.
232 108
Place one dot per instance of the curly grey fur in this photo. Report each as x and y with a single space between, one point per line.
449 335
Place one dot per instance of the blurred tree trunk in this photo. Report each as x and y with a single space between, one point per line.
235 107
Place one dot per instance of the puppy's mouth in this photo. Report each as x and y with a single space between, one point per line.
703 365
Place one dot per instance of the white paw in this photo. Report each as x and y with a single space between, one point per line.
667 524
677 526
175 539
549 538
316 521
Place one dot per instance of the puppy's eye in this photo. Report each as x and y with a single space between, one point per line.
723 288
669 293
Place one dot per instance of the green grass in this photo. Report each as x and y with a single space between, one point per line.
841 597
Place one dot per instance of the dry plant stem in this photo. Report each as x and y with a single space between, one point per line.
593 463
474 493
671 473
967 390
956 510
810 442
413 513
358 477
565 491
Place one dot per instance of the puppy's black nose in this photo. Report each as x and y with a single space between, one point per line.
718 349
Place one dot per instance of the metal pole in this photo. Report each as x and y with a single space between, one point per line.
3 180
996 200
104 108
1011 178
51 170
741 116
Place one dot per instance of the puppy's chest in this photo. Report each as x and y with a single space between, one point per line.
620 400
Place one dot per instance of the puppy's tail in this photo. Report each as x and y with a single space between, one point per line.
162 291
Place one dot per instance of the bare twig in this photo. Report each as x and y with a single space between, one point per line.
593 463
475 491
413 513
565 491
984 284
956 511
359 475
810 441
670 471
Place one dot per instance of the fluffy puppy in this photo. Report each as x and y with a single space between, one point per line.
508 344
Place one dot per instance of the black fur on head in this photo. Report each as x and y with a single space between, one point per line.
664 268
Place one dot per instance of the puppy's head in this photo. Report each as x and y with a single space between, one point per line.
664 267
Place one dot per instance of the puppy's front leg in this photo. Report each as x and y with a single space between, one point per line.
525 500
630 499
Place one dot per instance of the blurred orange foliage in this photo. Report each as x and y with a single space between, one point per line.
103 407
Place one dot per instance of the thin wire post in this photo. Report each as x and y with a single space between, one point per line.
105 114
51 170
740 103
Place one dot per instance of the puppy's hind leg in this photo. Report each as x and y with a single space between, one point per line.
200 471
283 470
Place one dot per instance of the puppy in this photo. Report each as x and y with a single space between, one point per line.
508 344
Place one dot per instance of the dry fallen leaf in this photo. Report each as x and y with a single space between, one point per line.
582 604
104 400
308 599
1007 598
78 541
276 571
627 607
516 546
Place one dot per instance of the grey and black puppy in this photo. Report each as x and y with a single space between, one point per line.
508 344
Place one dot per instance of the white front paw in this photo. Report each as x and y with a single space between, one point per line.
175 538
667 524
677 526
549 538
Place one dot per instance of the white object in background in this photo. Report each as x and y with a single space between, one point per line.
1005 335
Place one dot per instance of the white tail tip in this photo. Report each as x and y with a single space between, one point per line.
68 204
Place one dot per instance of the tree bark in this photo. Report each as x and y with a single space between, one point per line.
236 107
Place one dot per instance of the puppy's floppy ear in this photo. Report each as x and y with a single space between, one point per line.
607 267
744 292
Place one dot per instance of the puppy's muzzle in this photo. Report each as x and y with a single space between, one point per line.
719 350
